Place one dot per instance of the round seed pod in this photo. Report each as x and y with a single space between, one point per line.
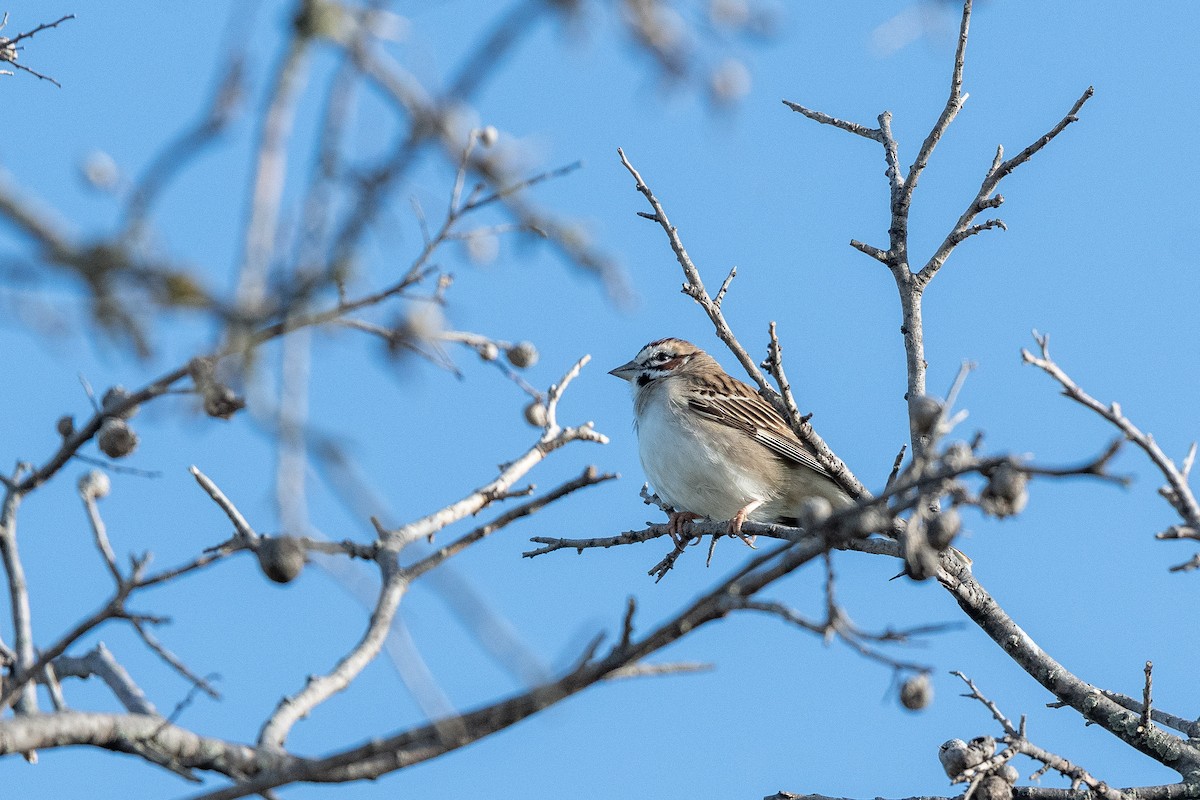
221 402
65 425
916 693
942 528
482 247
523 354
993 787
488 351
535 414
984 745
730 81
956 757
116 439
813 512
958 456
925 411
1008 773
280 557
1005 493
95 484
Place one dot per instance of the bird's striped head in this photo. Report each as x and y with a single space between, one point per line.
657 360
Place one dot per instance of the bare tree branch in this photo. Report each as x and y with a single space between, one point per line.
985 198
590 477
9 49
25 665
553 437
99 662
1170 751
320 688
239 522
1177 492
910 284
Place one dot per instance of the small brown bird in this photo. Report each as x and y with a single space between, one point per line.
712 447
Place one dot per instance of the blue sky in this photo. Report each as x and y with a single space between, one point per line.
1099 252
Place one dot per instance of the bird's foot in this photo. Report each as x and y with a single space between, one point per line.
747 538
735 524
675 526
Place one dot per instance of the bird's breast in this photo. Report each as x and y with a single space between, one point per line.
698 466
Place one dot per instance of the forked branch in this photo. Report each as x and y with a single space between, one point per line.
1177 492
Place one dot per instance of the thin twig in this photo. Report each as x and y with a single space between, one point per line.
896 466
975 694
44 26
720 298
211 489
851 127
590 477
984 198
319 688
100 534
173 661
269 174
1185 725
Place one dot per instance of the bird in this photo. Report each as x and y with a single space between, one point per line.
712 447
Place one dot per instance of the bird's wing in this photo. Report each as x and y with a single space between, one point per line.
738 406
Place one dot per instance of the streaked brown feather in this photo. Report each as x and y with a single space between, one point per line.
726 400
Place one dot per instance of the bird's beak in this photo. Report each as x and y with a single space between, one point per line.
625 372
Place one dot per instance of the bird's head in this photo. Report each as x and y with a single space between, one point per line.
658 360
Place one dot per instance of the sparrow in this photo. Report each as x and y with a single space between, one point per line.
712 447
